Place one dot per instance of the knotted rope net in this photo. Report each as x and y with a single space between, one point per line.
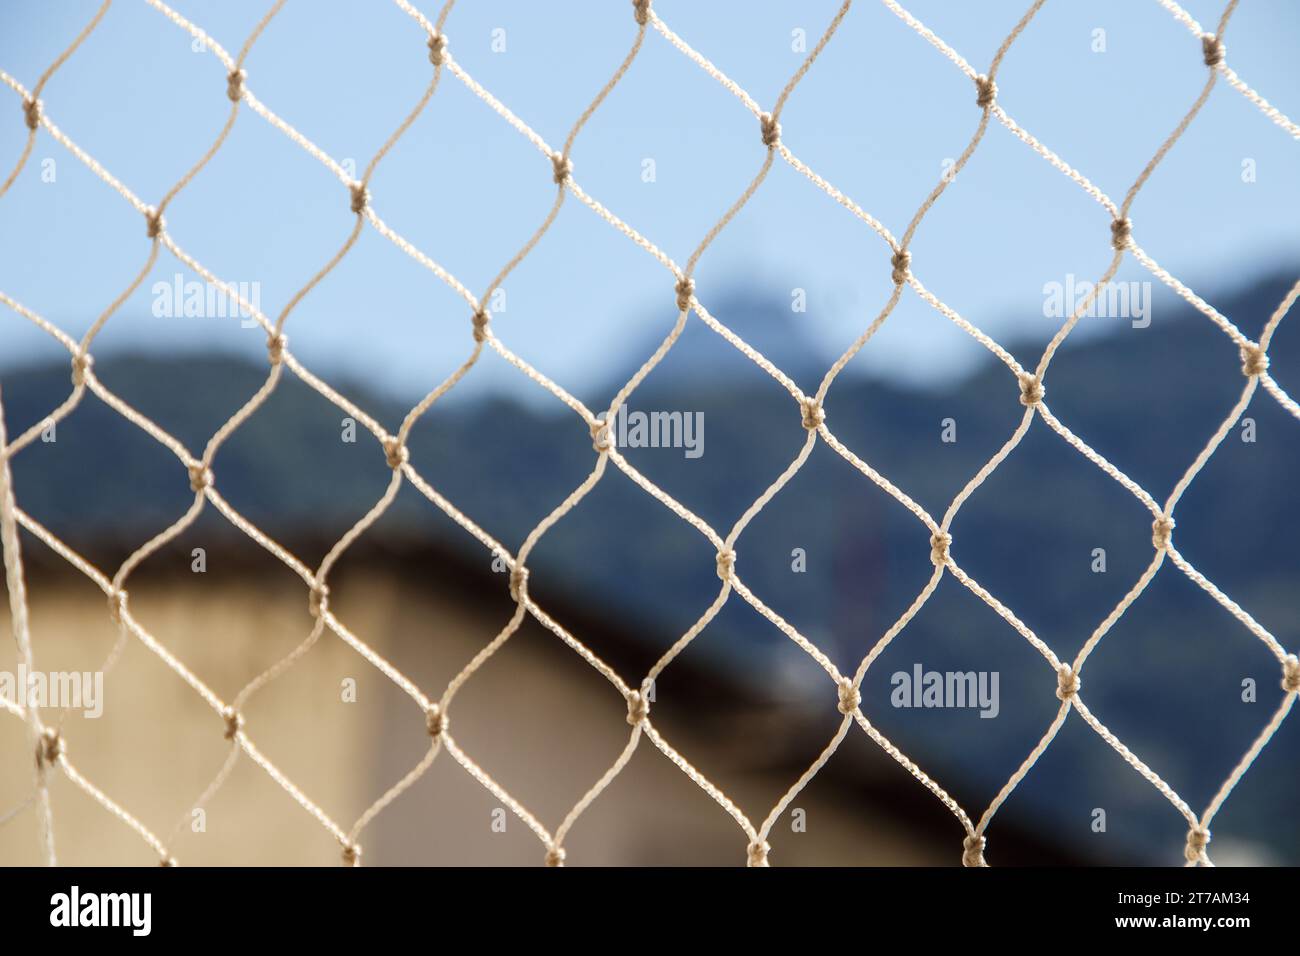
54 755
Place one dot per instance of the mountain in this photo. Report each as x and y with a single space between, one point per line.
766 322
1048 534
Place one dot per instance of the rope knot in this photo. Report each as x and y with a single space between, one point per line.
80 365
770 129
396 453
318 599
726 563
985 91
1121 230
600 436
641 10
435 720
555 856
437 47
638 708
1161 529
32 114
275 347
117 605
562 167
480 324
518 581
200 477
685 288
1212 49
360 197
1031 390
234 722
1254 361
758 851
352 855
49 748
902 263
1067 682
153 223
813 414
850 697
1291 674
973 850
235 85
1198 838
939 543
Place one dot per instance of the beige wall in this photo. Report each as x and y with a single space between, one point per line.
537 717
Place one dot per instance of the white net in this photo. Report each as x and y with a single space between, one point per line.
435 708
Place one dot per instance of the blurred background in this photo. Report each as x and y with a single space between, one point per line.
881 115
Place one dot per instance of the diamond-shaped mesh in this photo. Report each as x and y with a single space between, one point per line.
436 710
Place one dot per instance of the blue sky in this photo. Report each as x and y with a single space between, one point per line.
878 115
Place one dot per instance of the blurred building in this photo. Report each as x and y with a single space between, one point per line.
536 717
